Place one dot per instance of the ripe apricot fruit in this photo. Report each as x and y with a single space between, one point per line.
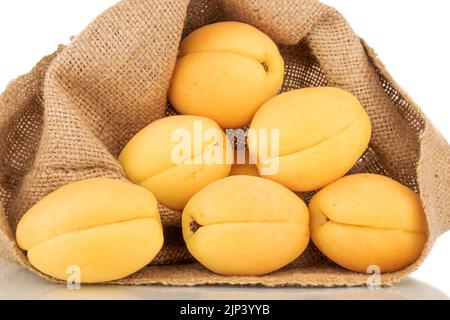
225 72
244 225
103 229
368 220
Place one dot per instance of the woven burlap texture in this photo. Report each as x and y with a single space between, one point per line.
69 118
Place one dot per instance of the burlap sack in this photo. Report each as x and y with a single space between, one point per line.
71 115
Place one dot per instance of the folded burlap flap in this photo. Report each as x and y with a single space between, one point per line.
71 115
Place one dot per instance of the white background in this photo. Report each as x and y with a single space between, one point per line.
410 36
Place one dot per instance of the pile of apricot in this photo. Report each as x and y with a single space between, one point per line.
243 215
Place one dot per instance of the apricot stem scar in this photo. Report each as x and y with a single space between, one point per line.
265 66
194 226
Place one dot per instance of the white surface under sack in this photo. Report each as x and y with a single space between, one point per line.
19 283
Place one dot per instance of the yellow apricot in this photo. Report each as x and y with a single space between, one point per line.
106 229
176 157
368 220
244 225
225 72
322 133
